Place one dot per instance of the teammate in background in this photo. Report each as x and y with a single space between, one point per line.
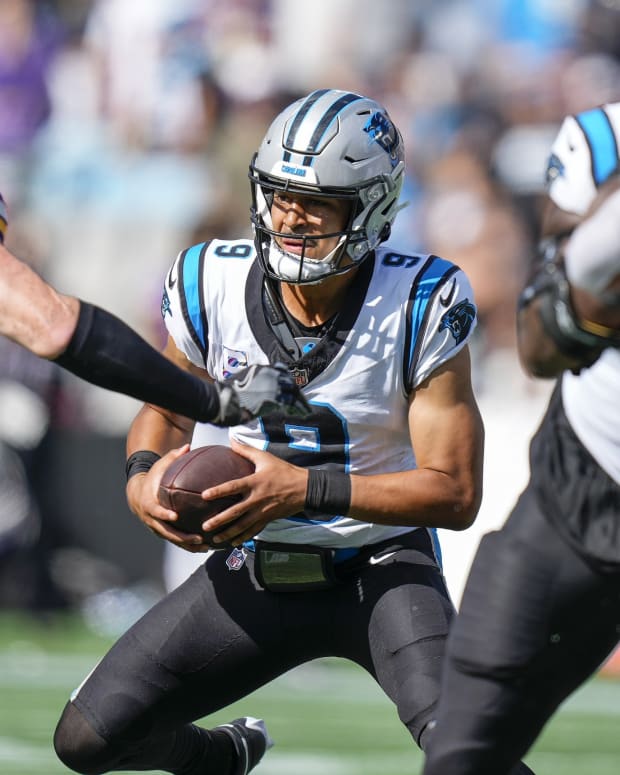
541 605
100 348
335 551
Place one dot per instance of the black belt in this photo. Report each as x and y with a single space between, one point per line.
339 555
283 567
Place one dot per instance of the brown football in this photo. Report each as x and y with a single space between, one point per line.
187 476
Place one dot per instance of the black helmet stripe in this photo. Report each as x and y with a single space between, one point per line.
329 115
321 126
301 114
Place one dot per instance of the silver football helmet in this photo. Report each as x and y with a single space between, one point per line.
330 144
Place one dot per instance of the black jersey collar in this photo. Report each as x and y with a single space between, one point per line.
310 365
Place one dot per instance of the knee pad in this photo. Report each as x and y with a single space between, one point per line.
409 628
78 746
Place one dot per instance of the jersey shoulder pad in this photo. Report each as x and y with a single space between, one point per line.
182 305
442 317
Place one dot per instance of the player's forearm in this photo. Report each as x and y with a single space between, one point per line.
153 433
601 310
105 351
158 431
592 254
447 434
592 261
552 336
419 498
538 353
32 313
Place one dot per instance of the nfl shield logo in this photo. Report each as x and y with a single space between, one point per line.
234 361
300 376
236 559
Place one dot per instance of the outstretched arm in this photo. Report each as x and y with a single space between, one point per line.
32 313
94 344
98 347
592 259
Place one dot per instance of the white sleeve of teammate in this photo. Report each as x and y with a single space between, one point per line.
174 319
592 255
451 323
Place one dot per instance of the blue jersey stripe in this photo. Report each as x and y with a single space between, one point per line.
436 546
192 292
602 142
425 286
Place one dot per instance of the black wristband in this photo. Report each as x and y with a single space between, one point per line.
140 462
328 492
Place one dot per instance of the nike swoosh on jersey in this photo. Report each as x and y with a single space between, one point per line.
446 300
381 558
172 281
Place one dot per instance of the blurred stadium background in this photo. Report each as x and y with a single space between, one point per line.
126 127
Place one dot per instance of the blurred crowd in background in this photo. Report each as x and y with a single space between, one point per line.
126 128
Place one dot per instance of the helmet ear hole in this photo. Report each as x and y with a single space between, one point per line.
385 232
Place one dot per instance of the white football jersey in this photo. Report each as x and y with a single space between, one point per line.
591 405
405 316
584 155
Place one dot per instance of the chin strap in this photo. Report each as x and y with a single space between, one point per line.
278 322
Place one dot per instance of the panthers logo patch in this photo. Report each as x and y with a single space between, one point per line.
459 320
165 305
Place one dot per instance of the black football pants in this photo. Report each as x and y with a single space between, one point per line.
220 636
535 622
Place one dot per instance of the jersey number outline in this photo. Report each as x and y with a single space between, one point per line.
233 250
398 259
322 440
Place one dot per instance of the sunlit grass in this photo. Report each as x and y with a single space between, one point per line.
328 718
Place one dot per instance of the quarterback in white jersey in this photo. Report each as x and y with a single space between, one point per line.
405 317
329 548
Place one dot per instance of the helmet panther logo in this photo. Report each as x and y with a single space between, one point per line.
459 320
381 130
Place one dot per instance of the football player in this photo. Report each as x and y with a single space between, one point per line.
335 550
524 642
101 349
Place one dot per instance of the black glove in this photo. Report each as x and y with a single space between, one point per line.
4 219
257 391
569 334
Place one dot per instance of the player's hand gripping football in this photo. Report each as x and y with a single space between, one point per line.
143 499
257 391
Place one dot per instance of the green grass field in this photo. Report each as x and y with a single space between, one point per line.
327 718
